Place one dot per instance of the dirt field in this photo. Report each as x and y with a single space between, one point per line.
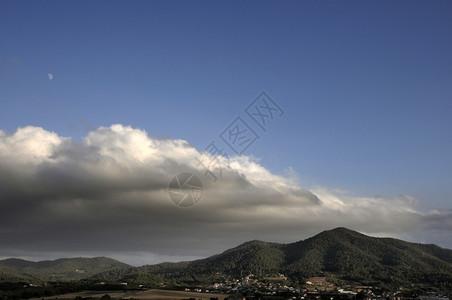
142 295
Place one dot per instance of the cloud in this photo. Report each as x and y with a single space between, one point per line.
108 194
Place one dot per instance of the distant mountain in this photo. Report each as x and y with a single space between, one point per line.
61 269
14 275
340 254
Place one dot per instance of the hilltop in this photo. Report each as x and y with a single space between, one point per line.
340 254
63 269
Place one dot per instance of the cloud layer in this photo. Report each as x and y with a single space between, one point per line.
108 194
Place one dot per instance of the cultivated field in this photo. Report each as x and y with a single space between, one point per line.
148 294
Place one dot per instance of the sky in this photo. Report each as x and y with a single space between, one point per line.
346 108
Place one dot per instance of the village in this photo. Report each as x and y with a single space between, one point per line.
277 287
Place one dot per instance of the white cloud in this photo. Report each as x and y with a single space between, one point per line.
108 194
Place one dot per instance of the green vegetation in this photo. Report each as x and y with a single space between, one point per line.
63 269
21 290
352 256
341 255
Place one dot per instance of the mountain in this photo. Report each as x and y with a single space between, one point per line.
13 275
352 256
54 270
342 255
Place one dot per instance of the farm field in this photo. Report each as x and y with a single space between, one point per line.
147 294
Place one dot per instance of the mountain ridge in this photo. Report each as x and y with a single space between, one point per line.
59 269
340 254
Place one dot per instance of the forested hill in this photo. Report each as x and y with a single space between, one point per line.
340 254
14 269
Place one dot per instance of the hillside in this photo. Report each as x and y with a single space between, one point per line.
353 256
54 270
340 254
14 275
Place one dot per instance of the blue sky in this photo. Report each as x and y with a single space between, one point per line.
366 86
